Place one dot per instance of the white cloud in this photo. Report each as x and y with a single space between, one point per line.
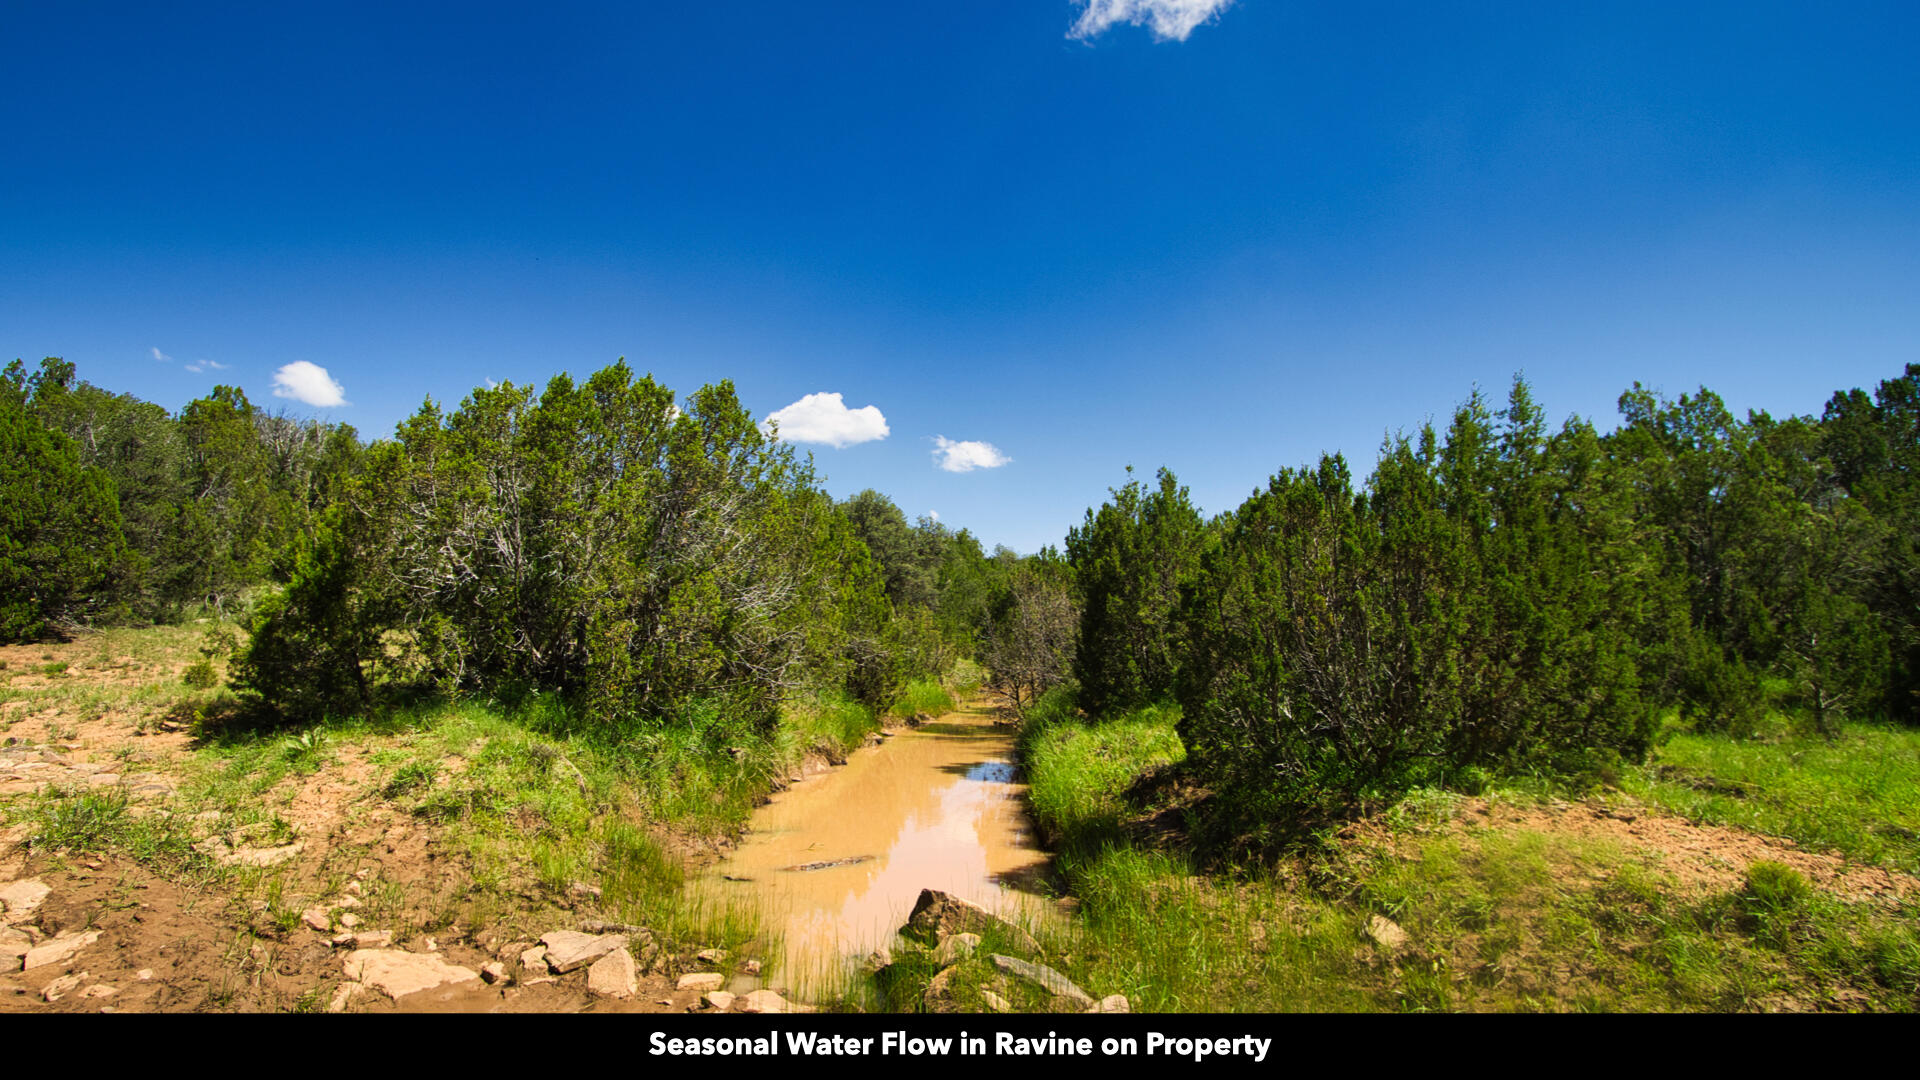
825 418
934 515
199 366
966 456
1170 20
309 383
160 356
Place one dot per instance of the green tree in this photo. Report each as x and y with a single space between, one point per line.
61 547
1130 560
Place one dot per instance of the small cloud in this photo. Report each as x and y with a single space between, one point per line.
308 383
202 365
952 456
491 385
825 418
933 515
1170 20
160 356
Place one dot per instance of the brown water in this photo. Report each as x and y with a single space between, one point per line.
936 807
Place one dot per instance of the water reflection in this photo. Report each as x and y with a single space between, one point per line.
935 807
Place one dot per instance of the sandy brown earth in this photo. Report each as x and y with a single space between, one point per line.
1700 859
152 942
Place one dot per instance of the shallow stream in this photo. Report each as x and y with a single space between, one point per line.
837 860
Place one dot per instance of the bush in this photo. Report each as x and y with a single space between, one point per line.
1776 887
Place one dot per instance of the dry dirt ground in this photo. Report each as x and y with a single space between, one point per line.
153 941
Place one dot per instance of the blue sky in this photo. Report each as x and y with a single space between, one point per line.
1296 229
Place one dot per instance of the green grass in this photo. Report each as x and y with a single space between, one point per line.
1498 919
922 696
1858 793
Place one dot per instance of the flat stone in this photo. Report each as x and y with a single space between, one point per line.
99 990
14 947
59 950
317 919
701 981
20 897
1387 932
718 999
534 959
144 974
62 986
1112 1003
373 939
763 1001
996 1002
956 948
750 967
613 975
344 996
937 916
249 856
569 950
1045 977
494 972
349 920
397 974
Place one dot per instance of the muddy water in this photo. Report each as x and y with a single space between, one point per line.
837 860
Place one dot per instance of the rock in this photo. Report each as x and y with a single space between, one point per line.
568 950
397 974
701 981
247 856
613 975
956 948
938 995
1045 977
99 990
1112 1003
60 950
15 836
1387 932
602 926
20 897
373 939
144 975
349 920
343 939
62 986
534 959
582 889
318 919
878 960
996 1002
711 956
750 967
495 972
718 999
14 947
938 916
763 1001
344 996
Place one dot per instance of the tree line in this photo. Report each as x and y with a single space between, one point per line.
649 558
1497 594
1505 595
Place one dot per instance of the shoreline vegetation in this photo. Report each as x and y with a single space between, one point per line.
1526 719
